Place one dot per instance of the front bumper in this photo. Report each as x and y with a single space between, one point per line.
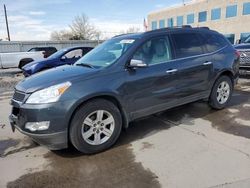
56 136
53 141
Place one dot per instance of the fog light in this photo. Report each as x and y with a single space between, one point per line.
37 126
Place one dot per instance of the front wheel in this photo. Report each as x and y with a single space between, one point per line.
221 93
95 126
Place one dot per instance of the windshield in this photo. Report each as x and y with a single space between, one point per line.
247 40
107 53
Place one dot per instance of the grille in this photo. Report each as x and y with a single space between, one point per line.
245 60
18 96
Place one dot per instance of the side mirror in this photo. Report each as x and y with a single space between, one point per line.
134 63
63 58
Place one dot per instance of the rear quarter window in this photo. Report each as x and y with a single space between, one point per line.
214 42
187 44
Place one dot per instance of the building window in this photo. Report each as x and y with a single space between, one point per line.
179 20
190 18
203 16
154 25
230 37
246 8
231 11
244 36
216 14
161 24
170 22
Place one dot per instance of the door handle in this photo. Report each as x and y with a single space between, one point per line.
171 71
207 63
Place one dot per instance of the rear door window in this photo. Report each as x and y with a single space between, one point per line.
214 42
187 44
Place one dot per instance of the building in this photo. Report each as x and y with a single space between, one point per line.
229 17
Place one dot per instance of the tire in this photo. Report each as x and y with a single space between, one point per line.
219 98
85 127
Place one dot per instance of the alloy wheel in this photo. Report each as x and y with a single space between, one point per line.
223 92
98 127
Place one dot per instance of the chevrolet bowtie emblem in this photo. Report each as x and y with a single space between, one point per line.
242 55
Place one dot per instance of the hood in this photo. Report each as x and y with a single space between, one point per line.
53 76
29 65
242 46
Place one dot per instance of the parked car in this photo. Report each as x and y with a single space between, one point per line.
244 49
125 78
18 59
62 57
47 50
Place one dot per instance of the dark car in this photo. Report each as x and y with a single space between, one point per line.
47 51
66 56
244 49
125 78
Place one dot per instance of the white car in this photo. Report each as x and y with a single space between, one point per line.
19 59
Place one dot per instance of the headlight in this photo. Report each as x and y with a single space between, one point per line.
48 95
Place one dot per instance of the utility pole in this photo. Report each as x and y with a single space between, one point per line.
7 24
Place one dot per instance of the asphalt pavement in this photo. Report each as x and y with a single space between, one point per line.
188 146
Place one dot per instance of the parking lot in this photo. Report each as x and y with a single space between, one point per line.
189 146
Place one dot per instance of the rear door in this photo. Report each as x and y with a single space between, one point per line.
195 66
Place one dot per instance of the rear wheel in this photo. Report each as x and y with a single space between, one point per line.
221 93
95 126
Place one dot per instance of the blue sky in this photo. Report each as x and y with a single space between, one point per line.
36 19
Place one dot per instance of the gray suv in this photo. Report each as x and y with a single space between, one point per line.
244 49
125 78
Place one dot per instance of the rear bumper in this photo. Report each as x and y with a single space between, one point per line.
53 141
244 70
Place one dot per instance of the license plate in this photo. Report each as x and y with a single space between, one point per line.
12 123
13 128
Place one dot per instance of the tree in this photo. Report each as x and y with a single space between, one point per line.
80 29
61 35
133 30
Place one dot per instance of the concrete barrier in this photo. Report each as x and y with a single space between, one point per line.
22 46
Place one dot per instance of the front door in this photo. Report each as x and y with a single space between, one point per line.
152 88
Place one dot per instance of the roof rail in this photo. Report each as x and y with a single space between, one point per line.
121 35
174 27
204 28
186 26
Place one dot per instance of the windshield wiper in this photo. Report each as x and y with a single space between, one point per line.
85 65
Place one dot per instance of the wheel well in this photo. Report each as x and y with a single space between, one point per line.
108 98
229 74
25 60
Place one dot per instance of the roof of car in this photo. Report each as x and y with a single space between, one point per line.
168 29
75 47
